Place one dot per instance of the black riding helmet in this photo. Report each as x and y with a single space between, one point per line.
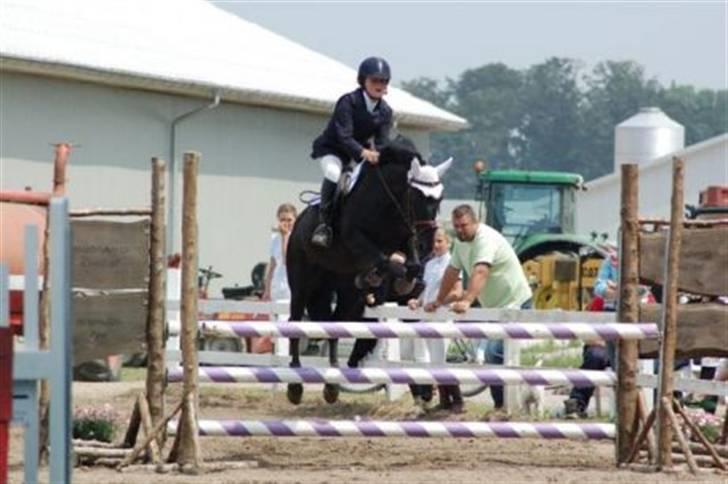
373 67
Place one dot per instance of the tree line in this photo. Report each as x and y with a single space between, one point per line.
556 116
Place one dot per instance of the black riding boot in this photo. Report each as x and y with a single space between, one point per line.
323 235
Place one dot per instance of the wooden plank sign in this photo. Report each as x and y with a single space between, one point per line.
110 255
702 330
108 325
703 259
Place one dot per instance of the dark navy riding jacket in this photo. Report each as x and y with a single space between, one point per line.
352 126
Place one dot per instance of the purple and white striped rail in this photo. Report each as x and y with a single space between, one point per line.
583 331
372 428
437 376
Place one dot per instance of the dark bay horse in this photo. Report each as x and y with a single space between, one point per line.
392 208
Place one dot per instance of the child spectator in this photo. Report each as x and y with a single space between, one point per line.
450 396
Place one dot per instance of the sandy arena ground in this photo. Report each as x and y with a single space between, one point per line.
356 460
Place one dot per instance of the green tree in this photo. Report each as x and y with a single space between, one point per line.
550 117
614 91
704 113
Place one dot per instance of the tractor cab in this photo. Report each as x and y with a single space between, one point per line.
524 204
535 212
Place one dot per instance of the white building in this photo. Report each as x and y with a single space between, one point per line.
706 163
118 78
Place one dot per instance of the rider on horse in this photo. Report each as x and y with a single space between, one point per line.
359 125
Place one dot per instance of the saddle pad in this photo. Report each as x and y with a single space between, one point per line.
354 177
350 186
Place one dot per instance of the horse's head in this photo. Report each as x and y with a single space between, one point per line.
417 184
425 192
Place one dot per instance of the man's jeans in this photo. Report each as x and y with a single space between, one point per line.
594 357
494 355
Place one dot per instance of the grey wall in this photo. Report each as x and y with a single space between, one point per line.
253 159
598 206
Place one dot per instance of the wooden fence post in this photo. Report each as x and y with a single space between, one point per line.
156 306
669 318
188 455
628 312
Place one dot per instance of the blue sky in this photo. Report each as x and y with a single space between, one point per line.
680 41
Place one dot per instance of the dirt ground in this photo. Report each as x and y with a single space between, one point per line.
356 460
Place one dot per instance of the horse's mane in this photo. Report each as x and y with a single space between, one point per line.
399 151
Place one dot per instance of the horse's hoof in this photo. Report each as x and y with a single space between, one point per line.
294 393
331 393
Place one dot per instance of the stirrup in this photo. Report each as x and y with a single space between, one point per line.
342 187
322 236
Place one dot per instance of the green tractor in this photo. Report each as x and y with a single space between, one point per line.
535 211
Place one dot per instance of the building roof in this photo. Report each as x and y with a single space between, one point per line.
657 162
187 47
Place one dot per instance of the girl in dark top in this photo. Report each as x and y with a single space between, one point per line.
358 127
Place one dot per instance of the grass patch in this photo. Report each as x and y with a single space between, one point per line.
556 361
133 374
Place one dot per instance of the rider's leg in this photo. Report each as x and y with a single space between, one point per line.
331 166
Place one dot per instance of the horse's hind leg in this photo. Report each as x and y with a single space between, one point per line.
331 390
320 310
294 391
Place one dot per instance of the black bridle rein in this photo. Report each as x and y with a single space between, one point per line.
413 226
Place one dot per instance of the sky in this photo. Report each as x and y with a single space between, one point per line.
682 41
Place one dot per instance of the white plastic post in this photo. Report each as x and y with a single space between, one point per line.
174 285
392 348
511 358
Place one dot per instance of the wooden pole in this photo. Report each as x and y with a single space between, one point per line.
152 435
634 451
696 430
114 212
699 449
628 312
667 408
60 161
651 444
724 432
146 419
97 452
133 430
668 342
44 336
188 455
155 382
700 460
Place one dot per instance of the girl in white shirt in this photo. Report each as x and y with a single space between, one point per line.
276 279
450 396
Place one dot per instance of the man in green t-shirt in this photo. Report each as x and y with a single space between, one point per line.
495 276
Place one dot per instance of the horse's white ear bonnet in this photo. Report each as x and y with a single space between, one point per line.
428 179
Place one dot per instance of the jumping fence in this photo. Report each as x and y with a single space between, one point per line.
501 324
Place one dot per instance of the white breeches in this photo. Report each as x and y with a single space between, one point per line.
331 165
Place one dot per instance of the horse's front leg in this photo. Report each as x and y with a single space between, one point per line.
363 347
294 391
331 390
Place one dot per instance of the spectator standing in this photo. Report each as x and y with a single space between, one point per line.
496 278
450 396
